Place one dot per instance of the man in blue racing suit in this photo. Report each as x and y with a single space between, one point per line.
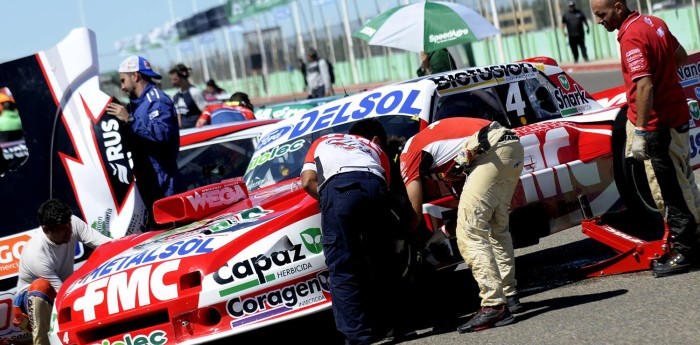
153 120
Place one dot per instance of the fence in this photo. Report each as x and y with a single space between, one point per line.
397 65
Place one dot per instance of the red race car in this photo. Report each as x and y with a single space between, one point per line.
248 254
73 151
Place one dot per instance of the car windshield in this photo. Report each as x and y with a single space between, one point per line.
284 161
208 164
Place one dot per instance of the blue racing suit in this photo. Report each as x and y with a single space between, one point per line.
156 141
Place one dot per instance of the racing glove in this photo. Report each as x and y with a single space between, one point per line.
639 145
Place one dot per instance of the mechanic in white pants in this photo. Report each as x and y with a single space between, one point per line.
482 221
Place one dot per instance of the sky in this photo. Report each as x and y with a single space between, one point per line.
34 25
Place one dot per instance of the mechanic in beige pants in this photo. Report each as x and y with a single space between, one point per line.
482 228
493 155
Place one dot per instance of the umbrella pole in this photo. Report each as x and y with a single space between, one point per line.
297 28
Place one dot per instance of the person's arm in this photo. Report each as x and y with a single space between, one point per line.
203 119
645 100
326 75
424 68
41 268
158 125
90 237
118 111
198 98
309 181
440 61
414 189
680 56
563 25
309 176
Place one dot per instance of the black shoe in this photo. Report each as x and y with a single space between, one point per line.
486 318
676 263
513 303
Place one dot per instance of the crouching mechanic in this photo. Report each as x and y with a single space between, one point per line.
237 108
46 262
348 174
494 160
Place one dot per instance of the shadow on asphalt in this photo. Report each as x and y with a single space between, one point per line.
532 309
440 301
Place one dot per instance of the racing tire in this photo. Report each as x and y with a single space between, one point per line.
631 181
528 224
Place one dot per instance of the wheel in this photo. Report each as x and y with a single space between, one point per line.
528 224
631 180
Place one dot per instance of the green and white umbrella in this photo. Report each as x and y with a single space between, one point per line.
426 26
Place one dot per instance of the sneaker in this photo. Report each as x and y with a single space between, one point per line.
676 263
513 303
486 318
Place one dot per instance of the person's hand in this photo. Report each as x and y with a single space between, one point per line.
639 145
118 111
200 123
588 30
424 61
423 57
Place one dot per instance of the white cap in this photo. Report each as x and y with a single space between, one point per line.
135 63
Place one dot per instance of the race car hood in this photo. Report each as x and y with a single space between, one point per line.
239 249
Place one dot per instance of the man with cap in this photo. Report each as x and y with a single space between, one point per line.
156 139
574 20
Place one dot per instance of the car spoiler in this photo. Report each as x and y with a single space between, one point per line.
200 202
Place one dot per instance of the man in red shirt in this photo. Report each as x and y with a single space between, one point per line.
493 158
237 108
657 132
348 174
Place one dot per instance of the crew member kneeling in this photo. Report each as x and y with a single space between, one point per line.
46 262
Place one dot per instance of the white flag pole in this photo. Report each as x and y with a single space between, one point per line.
499 39
297 27
348 35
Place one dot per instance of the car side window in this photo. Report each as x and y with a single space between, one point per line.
482 103
209 164
528 101
540 97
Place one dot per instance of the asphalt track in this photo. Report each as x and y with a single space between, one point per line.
560 306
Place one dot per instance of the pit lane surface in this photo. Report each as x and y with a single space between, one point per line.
560 307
